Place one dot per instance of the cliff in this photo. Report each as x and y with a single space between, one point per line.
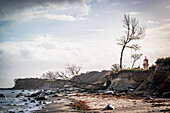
128 79
93 77
35 83
154 81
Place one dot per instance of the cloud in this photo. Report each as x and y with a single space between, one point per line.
156 44
135 2
167 6
152 22
60 17
96 30
44 53
133 13
160 33
167 20
64 17
30 9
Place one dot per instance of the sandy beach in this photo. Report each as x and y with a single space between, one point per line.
97 103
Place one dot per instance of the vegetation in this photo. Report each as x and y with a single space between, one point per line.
49 76
79 105
135 57
71 71
132 32
163 60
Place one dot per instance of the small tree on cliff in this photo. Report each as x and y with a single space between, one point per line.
49 75
132 32
71 71
135 57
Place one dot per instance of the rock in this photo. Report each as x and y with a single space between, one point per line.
40 98
25 100
166 95
50 92
109 93
131 90
148 98
19 95
2 95
32 101
34 94
109 107
37 105
55 95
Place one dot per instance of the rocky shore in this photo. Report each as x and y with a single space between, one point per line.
97 103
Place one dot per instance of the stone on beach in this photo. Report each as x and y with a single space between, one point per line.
109 107
54 95
166 95
40 98
148 98
2 95
109 93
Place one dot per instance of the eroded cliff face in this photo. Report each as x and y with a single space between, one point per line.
161 77
129 79
35 83
93 77
155 80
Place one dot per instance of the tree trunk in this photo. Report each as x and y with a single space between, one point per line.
121 57
133 64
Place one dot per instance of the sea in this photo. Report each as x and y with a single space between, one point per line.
14 104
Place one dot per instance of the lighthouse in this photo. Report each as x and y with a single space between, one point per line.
145 63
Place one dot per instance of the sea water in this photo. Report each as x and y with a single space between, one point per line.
11 103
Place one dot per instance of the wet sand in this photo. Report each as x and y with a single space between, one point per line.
97 103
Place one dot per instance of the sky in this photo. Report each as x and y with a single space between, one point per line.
37 36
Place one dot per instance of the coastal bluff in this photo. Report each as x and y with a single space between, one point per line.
155 80
36 83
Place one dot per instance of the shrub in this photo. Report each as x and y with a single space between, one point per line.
79 105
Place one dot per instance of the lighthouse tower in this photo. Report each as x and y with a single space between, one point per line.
145 63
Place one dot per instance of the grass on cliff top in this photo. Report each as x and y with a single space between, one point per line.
136 70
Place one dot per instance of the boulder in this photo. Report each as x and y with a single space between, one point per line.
109 93
24 100
34 94
55 95
2 95
32 101
166 95
19 95
109 107
148 98
40 98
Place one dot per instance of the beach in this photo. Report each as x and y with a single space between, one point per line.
97 103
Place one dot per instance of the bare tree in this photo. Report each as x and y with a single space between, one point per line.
135 57
49 75
115 67
132 32
73 71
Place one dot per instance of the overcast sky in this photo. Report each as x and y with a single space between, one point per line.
44 35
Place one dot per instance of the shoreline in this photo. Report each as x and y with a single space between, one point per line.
98 102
